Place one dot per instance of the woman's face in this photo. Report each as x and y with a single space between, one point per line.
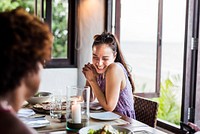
102 57
33 81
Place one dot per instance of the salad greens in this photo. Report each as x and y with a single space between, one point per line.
107 129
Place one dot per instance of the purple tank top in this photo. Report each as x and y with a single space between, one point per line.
125 104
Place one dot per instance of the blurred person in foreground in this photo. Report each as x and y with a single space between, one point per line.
25 44
109 77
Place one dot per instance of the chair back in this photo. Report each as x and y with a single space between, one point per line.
146 110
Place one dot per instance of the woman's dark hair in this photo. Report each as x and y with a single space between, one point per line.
113 43
25 41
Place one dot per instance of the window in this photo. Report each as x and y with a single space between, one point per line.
60 15
191 88
140 40
152 35
63 28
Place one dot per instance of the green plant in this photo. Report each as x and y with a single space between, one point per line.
59 21
59 28
169 106
8 5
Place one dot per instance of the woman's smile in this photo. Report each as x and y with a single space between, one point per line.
100 69
102 57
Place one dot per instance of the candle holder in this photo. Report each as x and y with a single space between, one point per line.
77 107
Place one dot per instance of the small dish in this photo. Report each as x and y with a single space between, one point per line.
39 98
142 132
35 122
95 106
38 124
106 116
97 127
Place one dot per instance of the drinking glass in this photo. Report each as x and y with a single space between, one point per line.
77 107
56 106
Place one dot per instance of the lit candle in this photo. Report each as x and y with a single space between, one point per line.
76 112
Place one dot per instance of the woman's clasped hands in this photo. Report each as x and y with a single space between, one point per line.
90 72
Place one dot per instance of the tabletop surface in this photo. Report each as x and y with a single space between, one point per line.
58 126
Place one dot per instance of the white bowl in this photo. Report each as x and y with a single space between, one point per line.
39 98
85 130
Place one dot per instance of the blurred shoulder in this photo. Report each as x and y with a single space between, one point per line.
115 67
16 126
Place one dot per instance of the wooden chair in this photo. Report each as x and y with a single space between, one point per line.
146 110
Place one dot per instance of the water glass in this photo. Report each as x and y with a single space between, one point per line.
56 106
77 107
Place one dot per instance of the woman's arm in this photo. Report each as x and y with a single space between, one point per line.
114 77
92 96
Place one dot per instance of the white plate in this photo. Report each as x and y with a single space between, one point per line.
25 112
105 116
97 127
38 124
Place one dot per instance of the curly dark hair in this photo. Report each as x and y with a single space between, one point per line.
113 43
24 41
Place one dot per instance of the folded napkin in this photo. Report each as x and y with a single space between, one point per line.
26 116
25 112
37 123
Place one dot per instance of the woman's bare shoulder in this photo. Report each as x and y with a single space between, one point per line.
114 67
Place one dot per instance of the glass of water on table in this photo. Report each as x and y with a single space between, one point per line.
55 106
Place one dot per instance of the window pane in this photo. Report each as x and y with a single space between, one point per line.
59 28
28 5
138 40
172 60
59 21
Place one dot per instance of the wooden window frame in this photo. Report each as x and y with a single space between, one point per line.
71 60
159 45
191 71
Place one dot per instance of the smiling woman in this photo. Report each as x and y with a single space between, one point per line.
114 93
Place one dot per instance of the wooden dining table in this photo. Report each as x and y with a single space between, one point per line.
58 126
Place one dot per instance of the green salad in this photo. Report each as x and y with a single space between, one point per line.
107 129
